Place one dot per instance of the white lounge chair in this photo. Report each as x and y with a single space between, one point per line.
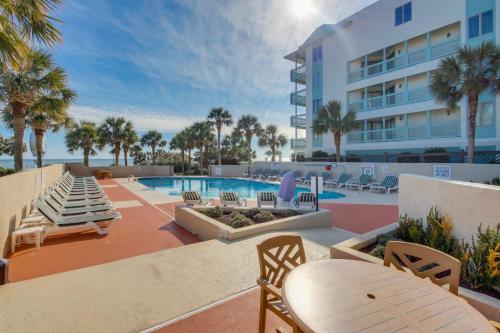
307 178
267 199
193 198
305 200
340 182
364 181
231 199
390 183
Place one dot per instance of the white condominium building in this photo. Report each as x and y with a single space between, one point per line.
378 63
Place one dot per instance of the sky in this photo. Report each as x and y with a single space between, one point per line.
164 63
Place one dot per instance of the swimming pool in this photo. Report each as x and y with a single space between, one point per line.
210 187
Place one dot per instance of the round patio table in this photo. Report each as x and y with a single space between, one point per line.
354 296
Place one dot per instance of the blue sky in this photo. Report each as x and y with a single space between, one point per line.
164 63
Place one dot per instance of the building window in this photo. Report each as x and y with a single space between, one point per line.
486 114
403 14
317 53
487 22
481 24
317 80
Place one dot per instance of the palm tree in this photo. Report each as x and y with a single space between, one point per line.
179 141
202 131
153 139
84 136
190 143
24 21
35 81
129 139
248 126
270 138
329 119
233 147
112 132
468 74
219 117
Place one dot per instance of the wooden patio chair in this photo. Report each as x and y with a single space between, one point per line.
424 262
495 325
277 257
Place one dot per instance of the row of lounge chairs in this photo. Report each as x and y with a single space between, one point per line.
387 185
304 200
73 204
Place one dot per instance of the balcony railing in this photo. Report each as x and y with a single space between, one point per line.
298 98
298 121
387 100
298 75
426 131
415 56
298 144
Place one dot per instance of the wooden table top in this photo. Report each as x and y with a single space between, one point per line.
355 296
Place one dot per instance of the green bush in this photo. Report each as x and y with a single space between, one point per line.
378 251
214 212
410 230
6 171
438 232
288 213
239 220
481 259
250 213
263 216
319 153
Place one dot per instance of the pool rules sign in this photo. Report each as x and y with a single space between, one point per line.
317 188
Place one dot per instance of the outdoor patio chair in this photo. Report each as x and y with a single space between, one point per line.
256 173
364 181
267 199
340 182
282 173
495 325
424 262
307 178
304 200
297 174
192 198
83 185
73 210
390 183
231 199
83 190
274 176
72 196
277 257
326 176
264 174
63 200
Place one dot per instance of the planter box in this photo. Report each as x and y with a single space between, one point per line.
207 228
350 249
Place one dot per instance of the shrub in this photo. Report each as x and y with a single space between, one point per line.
288 213
438 232
239 220
378 251
319 153
263 216
214 212
481 259
493 181
6 171
250 213
410 230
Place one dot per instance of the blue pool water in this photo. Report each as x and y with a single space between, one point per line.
210 187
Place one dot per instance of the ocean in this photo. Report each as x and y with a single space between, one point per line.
31 163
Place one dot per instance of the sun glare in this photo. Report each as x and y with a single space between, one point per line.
302 8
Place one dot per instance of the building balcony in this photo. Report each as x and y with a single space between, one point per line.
381 63
298 121
298 75
298 98
298 144
424 131
407 96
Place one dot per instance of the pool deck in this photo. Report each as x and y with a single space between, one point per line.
151 274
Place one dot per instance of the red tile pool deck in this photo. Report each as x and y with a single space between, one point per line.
149 228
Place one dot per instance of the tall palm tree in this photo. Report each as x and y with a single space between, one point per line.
272 139
202 131
329 119
130 137
23 21
233 147
219 117
112 132
248 126
35 81
468 74
190 144
179 141
153 139
84 136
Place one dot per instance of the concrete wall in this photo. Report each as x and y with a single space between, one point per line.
468 204
78 169
466 172
228 170
16 193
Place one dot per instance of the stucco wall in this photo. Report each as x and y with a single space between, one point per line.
16 193
468 204
228 170
466 172
78 169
